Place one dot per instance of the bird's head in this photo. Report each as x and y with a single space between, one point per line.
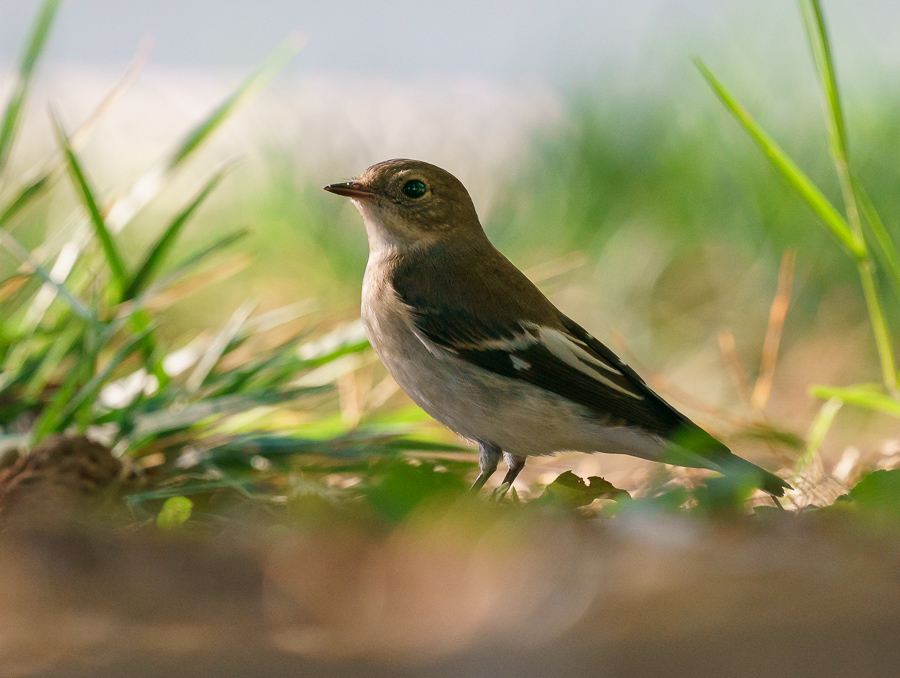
406 203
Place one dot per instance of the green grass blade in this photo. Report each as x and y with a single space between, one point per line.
192 488
89 392
795 177
122 211
61 347
33 48
180 417
141 324
186 266
198 258
218 347
23 198
255 82
817 33
47 422
18 377
47 173
18 251
861 396
817 432
113 258
162 247
883 341
80 351
890 255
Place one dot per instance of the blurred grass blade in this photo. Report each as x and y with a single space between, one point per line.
817 432
788 169
58 350
113 259
11 285
198 487
33 48
283 315
124 209
235 380
189 285
140 320
25 257
816 32
156 255
883 341
849 235
887 249
141 323
49 418
22 199
255 82
198 258
861 396
47 170
16 377
89 392
193 414
160 287
82 133
215 351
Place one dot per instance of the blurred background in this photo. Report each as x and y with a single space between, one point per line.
597 157
269 526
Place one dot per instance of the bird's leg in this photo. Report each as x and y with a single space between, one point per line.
488 458
515 464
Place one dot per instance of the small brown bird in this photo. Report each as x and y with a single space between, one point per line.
478 347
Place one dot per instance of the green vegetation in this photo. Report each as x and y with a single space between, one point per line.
264 411
849 231
79 342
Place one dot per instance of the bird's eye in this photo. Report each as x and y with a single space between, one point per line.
414 189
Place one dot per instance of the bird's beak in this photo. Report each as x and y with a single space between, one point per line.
351 189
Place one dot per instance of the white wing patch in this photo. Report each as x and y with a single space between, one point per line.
519 364
563 346
435 350
575 354
517 343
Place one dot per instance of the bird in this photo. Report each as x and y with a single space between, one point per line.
474 343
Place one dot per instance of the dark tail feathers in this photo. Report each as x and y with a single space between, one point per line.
695 447
767 482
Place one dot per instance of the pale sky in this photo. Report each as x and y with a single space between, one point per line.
445 81
557 42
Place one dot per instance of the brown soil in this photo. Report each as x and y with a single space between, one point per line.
456 597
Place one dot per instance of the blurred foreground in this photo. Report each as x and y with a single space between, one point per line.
463 592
